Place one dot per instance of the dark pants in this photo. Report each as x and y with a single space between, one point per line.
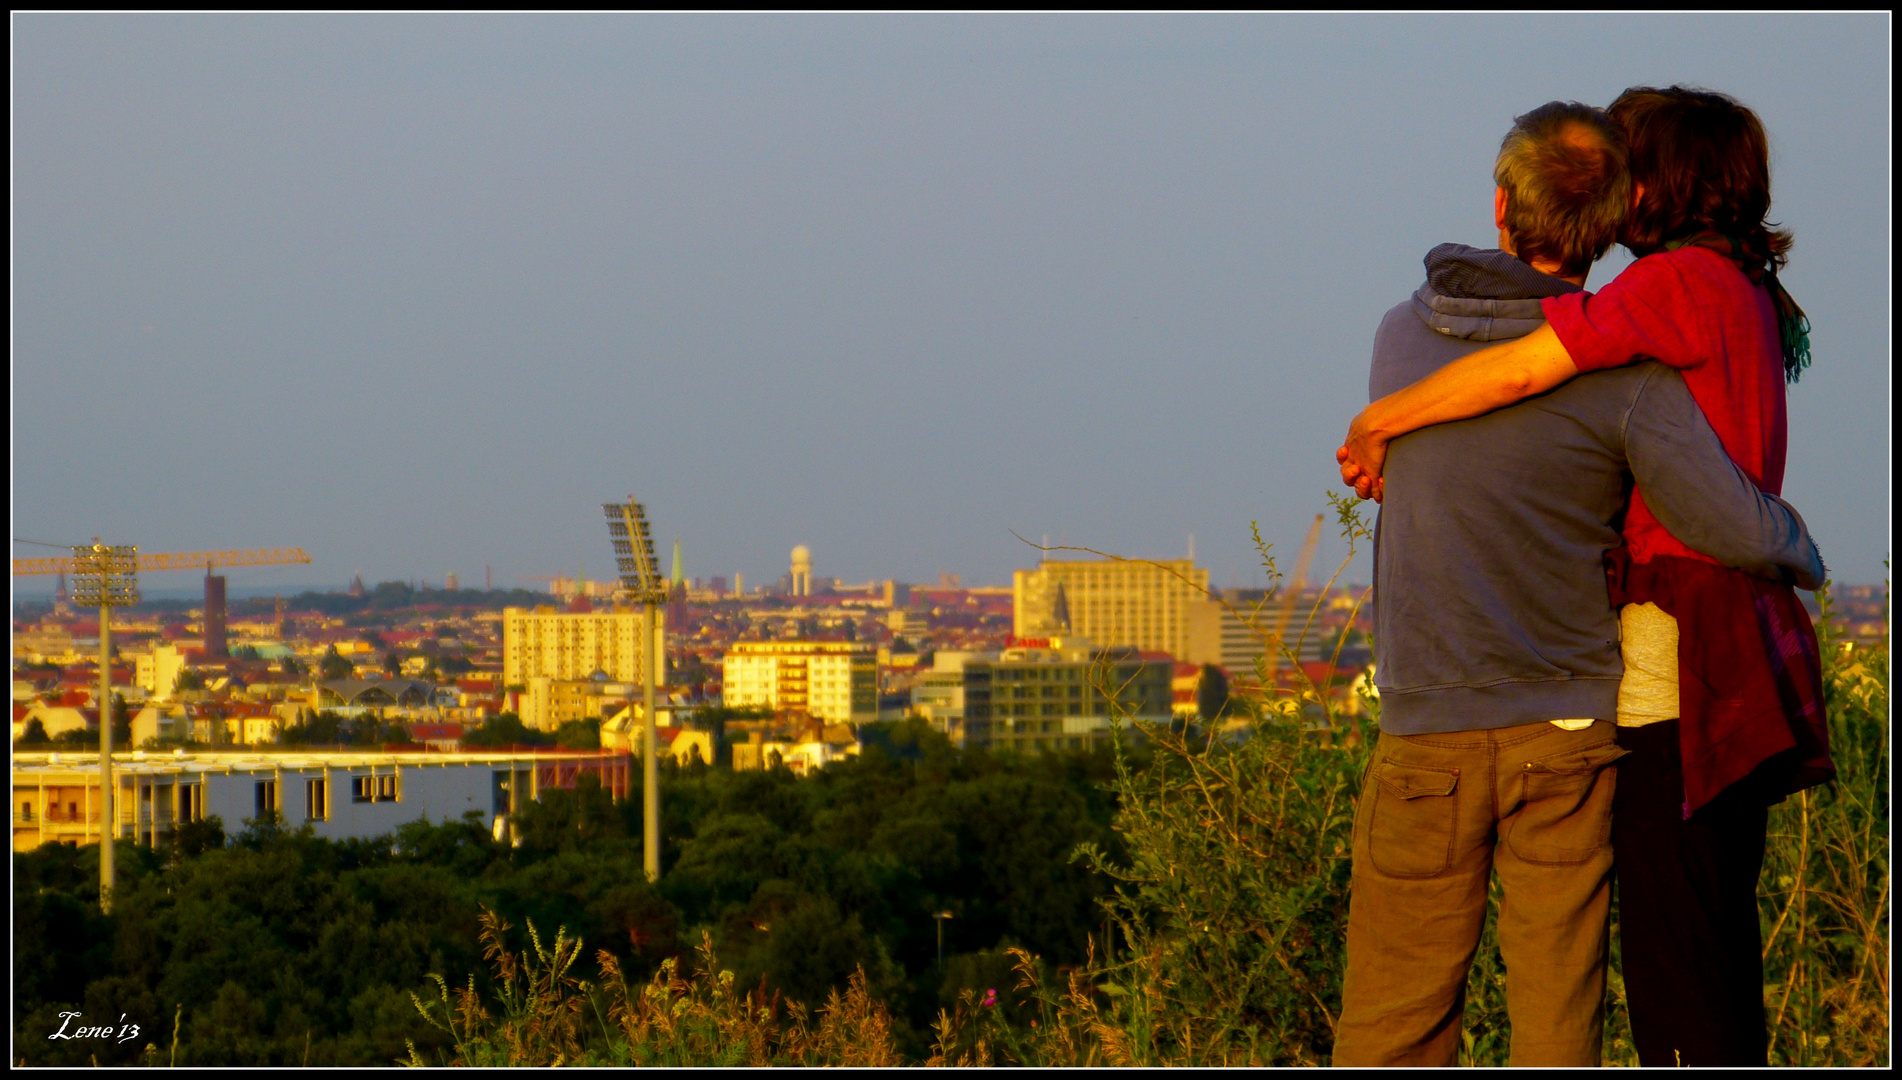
1687 909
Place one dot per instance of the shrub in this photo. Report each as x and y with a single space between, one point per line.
545 1015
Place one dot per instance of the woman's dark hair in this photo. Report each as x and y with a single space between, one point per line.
1705 165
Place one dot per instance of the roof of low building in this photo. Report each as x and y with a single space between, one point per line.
352 689
181 761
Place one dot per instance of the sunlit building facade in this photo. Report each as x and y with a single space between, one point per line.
1140 605
835 681
546 644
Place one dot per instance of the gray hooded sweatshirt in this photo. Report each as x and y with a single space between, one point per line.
1490 603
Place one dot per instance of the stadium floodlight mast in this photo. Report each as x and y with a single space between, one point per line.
106 577
641 582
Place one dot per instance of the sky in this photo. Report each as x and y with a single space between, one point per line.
419 293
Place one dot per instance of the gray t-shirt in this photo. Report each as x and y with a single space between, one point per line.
1490 603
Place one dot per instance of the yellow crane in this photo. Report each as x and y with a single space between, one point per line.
108 577
184 560
1295 584
176 560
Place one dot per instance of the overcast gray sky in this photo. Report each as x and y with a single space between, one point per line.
420 293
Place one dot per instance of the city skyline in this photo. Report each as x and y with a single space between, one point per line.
419 293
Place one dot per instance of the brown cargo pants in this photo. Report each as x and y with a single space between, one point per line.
1438 814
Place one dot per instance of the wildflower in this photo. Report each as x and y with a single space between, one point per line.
990 998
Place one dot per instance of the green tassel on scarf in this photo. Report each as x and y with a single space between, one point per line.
1793 327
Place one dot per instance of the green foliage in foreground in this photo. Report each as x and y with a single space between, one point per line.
1824 895
279 948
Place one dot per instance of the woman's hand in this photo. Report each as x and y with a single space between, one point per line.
1477 383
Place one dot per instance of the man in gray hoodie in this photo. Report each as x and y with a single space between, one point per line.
1499 657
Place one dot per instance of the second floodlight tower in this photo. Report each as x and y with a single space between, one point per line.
641 581
106 576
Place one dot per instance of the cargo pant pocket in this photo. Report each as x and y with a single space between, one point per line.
1410 832
1564 815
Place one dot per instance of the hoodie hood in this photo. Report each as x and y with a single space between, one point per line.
1483 294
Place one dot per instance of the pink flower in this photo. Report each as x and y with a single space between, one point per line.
990 998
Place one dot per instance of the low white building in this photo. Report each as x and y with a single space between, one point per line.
338 794
809 753
56 720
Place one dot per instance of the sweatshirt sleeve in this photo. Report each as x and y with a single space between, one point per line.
1703 498
1646 312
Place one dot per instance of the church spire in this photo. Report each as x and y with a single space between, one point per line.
1060 611
679 574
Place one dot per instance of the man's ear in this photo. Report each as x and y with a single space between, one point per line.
1499 208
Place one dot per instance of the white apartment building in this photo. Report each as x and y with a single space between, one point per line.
157 672
338 794
546 644
1112 603
835 681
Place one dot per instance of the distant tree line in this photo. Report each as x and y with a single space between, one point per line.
386 596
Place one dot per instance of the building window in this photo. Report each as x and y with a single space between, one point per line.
265 797
26 811
373 788
191 802
316 800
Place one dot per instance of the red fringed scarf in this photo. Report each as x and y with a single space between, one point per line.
1750 675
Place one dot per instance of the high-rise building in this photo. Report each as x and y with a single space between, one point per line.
836 681
215 616
1239 630
1111 602
547 644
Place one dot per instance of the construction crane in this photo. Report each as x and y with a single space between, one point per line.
1294 586
177 560
215 641
109 577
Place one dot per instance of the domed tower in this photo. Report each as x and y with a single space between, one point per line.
802 571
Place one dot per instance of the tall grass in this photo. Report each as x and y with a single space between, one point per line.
1227 921
1824 895
543 1015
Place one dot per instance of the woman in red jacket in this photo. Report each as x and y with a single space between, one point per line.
1721 703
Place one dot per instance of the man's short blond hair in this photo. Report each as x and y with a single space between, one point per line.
1568 185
